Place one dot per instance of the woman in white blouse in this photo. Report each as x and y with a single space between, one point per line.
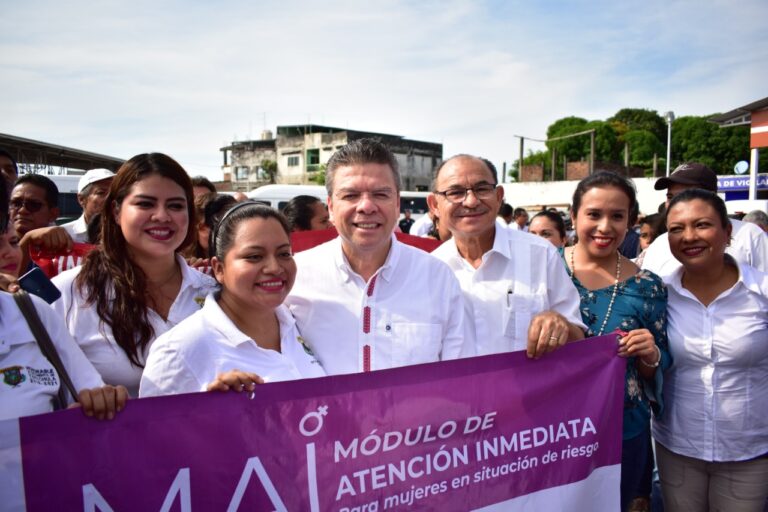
244 335
712 443
135 286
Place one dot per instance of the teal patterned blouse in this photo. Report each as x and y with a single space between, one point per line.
641 302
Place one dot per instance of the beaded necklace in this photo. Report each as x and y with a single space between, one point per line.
615 287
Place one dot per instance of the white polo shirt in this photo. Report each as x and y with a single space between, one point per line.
188 357
749 246
29 381
409 312
77 230
716 391
521 276
95 337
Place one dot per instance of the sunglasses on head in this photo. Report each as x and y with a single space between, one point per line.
32 205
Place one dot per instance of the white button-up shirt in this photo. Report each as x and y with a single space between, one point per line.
77 230
749 246
716 391
95 337
521 276
188 357
29 379
409 312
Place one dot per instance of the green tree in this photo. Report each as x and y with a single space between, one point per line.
643 144
632 119
572 148
607 146
270 168
319 176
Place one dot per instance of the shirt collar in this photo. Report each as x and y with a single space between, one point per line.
218 320
500 246
233 336
501 243
191 277
746 277
80 226
386 271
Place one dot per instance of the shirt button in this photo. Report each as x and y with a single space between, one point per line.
388 327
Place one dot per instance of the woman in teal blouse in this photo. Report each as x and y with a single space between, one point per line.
616 296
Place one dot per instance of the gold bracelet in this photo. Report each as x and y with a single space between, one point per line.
658 360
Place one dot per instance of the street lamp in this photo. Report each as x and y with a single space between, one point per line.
670 117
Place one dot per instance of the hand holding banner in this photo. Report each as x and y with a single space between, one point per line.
496 432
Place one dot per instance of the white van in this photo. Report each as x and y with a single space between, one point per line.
277 196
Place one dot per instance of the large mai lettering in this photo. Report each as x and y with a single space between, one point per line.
93 501
254 465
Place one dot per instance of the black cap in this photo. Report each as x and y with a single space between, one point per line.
690 173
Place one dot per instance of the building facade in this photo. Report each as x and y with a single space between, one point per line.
298 155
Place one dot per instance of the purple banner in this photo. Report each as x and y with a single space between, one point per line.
454 435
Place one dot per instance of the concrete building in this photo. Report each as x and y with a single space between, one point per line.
298 154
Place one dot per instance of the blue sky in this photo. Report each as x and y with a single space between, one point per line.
187 78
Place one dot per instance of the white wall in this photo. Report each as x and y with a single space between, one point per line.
560 193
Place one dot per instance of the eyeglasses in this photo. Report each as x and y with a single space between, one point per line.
459 194
32 205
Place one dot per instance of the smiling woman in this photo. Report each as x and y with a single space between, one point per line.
244 335
617 297
712 443
135 286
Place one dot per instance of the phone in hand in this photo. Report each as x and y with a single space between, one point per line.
37 283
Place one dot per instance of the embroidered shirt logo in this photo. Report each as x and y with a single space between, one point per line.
13 375
200 301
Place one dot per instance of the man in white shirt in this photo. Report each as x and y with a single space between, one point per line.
422 226
92 190
517 292
748 244
519 220
365 301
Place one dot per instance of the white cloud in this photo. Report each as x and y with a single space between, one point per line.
186 77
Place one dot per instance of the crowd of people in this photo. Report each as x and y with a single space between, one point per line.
187 290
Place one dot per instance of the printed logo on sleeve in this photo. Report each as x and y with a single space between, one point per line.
13 375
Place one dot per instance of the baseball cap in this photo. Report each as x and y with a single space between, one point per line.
93 176
690 173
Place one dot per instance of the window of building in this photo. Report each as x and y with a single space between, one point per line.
313 156
241 173
293 161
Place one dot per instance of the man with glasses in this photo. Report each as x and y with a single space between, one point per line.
33 210
365 301
517 293
33 203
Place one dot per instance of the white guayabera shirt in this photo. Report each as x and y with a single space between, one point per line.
410 312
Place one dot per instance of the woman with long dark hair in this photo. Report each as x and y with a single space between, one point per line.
135 286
